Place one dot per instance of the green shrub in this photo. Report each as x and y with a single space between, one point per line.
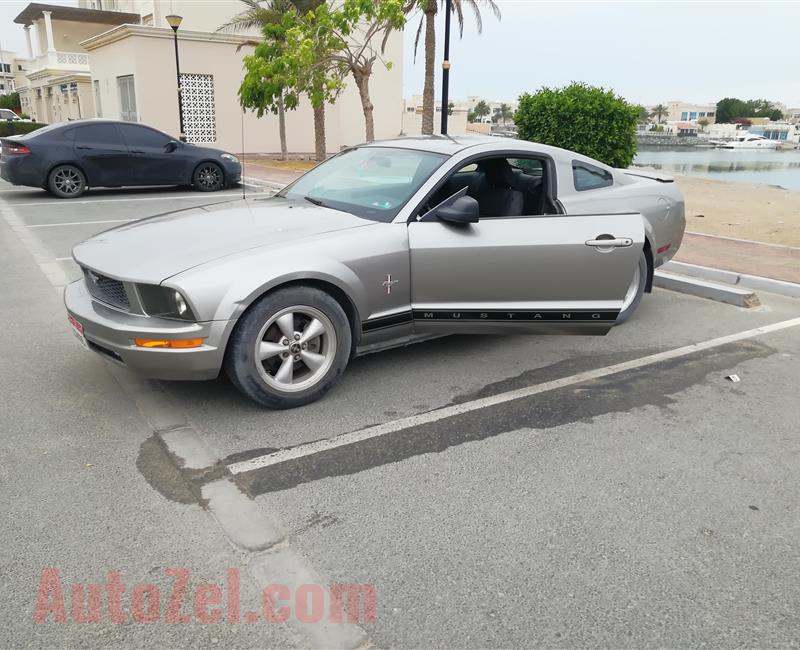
18 128
11 100
582 118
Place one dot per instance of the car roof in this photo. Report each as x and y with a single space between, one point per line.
451 145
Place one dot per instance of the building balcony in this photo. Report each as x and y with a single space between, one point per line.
59 62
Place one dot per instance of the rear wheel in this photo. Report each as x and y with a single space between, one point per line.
633 295
289 348
208 177
66 182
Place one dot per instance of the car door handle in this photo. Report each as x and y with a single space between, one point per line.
136 151
619 242
82 146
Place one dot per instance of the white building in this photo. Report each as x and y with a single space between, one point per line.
679 111
115 59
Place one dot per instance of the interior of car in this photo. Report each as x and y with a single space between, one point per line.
502 186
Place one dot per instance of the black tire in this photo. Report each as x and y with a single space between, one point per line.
66 182
255 378
628 310
208 177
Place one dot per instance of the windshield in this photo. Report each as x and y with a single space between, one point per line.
369 182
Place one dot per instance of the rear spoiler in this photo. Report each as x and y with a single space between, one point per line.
653 176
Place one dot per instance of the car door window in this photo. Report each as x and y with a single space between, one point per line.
140 137
503 186
98 136
590 177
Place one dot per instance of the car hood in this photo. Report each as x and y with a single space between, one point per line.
158 247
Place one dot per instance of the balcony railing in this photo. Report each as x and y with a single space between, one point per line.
72 61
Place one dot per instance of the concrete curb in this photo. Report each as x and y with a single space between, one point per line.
757 282
706 289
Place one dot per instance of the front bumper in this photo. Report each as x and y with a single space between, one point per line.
110 333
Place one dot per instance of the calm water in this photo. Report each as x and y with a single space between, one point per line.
770 167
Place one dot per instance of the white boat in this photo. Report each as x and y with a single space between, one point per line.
748 140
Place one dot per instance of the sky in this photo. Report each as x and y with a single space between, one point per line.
648 51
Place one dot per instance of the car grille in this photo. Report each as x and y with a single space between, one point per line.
106 289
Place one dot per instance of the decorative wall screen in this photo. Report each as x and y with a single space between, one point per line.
199 122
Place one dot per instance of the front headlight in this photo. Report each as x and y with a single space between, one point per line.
229 156
164 301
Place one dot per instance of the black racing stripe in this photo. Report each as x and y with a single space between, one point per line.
550 315
386 321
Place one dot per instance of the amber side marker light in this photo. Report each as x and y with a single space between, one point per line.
166 343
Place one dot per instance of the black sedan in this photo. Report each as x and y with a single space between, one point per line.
69 157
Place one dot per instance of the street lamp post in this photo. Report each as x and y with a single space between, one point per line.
175 22
448 8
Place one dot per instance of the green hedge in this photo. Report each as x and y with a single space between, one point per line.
592 121
18 128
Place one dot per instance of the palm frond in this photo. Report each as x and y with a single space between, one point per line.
416 38
460 17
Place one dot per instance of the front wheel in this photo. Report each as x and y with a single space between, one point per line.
289 348
66 182
633 296
208 177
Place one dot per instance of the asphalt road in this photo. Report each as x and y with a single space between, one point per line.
652 504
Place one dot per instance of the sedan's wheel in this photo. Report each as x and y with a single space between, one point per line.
208 177
66 182
289 348
633 296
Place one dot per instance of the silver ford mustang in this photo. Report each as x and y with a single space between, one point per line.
381 245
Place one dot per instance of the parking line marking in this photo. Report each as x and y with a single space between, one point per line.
55 202
79 223
352 437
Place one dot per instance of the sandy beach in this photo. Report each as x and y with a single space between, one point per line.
757 212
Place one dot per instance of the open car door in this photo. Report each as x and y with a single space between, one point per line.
552 274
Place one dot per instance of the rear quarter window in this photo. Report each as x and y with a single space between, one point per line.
590 177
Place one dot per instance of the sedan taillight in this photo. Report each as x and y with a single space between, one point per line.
14 149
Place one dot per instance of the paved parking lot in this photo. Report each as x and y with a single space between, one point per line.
496 492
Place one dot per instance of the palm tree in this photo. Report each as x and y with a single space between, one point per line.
503 112
658 112
428 20
257 14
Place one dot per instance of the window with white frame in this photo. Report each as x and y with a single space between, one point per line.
127 99
98 106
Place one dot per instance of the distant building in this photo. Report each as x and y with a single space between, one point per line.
412 117
793 115
7 74
678 111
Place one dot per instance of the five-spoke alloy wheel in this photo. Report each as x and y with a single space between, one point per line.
66 182
208 177
289 348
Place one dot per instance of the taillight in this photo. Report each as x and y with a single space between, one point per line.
14 149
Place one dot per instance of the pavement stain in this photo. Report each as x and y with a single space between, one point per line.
651 385
164 472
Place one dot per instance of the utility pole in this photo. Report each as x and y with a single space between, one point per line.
448 9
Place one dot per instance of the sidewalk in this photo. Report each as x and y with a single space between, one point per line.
267 173
751 258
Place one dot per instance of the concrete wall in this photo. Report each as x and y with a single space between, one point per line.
147 53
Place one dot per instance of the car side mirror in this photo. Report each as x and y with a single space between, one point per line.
171 146
463 210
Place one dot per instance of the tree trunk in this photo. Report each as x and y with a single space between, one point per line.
282 128
319 131
362 82
428 109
